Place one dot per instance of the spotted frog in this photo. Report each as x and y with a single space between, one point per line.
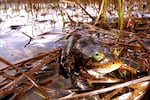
101 59
100 65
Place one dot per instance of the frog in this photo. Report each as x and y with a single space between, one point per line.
101 59
100 65
95 57
88 47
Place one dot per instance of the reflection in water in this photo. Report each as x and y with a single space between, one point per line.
22 22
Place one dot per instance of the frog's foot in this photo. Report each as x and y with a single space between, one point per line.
127 72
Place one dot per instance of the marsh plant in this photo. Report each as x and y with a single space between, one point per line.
121 13
122 7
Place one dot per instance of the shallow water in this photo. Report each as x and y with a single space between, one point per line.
13 41
22 20
17 27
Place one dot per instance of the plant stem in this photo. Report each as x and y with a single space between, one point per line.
120 14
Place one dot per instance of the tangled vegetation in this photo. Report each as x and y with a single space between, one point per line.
105 53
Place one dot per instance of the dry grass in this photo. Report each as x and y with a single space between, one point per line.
36 5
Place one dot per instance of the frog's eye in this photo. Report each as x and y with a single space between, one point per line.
116 52
99 56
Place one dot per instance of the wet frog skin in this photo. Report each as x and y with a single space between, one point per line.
101 62
88 47
102 65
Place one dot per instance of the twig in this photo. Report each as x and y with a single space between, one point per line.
27 35
100 12
83 9
71 20
24 74
144 46
130 46
95 92
34 69
8 91
11 78
45 61
100 30
30 38
110 95
20 63
51 57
